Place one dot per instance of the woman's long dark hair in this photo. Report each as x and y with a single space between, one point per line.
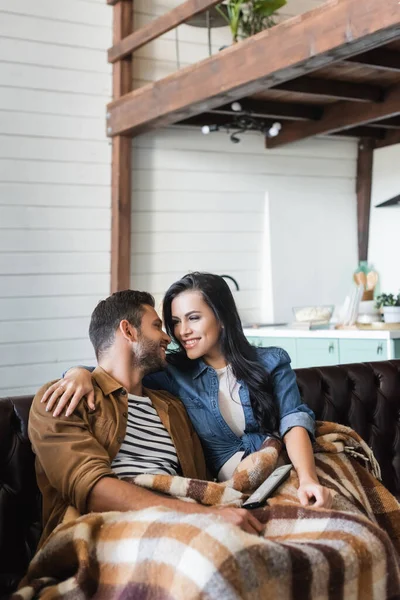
238 352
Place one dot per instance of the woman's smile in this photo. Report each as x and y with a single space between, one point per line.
188 344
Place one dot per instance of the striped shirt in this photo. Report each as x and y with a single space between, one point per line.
147 447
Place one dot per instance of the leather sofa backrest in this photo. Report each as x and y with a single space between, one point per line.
364 396
20 500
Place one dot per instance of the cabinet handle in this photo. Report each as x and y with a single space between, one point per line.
331 348
379 349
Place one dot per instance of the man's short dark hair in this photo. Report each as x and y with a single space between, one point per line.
106 317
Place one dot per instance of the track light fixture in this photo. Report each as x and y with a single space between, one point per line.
243 121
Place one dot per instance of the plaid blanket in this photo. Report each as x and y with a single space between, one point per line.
348 552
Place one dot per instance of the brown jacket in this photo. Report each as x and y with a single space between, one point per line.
74 453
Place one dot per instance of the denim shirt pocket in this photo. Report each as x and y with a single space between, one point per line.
199 415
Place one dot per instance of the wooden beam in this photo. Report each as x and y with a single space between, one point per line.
380 58
364 187
393 123
121 162
363 132
338 117
319 38
275 110
158 27
391 138
329 88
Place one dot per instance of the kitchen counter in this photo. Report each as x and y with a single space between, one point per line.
293 332
322 347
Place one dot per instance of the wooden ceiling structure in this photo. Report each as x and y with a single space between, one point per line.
332 71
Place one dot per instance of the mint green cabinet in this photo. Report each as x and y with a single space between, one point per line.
317 352
356 350
288 344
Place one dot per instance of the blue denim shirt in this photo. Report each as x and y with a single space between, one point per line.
198 390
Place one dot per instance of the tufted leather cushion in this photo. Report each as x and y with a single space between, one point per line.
20 502
364 396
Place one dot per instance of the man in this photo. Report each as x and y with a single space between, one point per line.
84 459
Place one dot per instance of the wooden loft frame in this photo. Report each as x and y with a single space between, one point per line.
332 71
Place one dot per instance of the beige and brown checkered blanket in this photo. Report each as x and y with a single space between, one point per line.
348 552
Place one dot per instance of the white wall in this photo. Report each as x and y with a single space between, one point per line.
54 184
199 204
313 222
384 242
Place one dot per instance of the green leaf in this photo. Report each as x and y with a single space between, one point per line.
268 7
223 14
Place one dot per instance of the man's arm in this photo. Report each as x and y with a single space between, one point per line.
114 494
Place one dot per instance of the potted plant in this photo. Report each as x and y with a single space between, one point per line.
390 306
247 17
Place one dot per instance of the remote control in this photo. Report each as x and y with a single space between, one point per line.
268 487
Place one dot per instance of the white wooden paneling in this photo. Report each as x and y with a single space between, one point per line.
45 352
55 214
184 262
210 202
72 11
22 147
51 32
28 52
193 222
221 241
32 263
160 282
45 194
262 163
55 79
41 330
53 103
27 217
211 182
34 171
47 307
26 286
52 127
20 240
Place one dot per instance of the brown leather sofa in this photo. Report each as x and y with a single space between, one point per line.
364 396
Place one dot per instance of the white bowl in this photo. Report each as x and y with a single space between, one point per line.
310 314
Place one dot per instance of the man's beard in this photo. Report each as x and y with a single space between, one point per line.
147 356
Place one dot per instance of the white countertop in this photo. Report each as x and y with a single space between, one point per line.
287 332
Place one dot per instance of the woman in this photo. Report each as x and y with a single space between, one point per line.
235 394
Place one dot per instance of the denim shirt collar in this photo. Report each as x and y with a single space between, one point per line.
199 368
